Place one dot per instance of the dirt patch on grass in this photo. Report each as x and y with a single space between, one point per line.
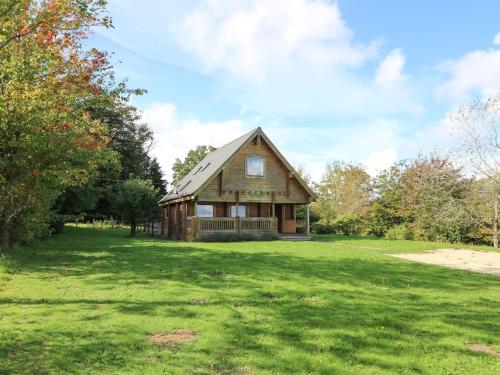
177 336
483 348
268 295
472 260
197 301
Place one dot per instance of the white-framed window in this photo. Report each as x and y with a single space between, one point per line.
242 210
255 166
205 210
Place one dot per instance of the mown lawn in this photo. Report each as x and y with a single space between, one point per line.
87 301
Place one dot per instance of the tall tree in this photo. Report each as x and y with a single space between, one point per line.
134 199
132 141
193 157
434 200
385 208
345 189
48 140
155 174
478 127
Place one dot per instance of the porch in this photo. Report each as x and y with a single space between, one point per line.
197 220
197 227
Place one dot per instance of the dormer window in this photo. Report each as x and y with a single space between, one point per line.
255 166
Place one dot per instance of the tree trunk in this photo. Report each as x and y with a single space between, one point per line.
5 238
495 222
133 226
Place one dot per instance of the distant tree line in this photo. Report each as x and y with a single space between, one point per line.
427 198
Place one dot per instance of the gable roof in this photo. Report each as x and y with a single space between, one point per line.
213 163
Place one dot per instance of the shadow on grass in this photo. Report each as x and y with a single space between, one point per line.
350 309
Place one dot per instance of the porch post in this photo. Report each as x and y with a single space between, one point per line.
238 221
194 220
168 221
307 220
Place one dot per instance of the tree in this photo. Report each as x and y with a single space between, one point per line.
345 189
48 140
155 174
478 127
135 199
132 141
301 210
435 197
385 208
193 157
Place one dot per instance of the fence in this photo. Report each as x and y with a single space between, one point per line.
153 228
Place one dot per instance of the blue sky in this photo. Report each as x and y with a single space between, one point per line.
356 80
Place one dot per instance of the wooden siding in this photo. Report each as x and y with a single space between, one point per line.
253 210
220 209
275 186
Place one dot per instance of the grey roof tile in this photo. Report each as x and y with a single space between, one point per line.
206 168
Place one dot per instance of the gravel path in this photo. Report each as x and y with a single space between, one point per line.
472 260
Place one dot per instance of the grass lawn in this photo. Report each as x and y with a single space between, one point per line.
87 301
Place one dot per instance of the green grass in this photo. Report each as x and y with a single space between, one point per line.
86 302
384 246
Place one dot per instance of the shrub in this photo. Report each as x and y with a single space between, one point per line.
233 237
400 232
348 225
322 228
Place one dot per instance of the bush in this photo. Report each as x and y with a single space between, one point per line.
400 232
233 237
322 228
348 225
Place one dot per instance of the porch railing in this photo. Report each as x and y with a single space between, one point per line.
261 224
216 224
233 224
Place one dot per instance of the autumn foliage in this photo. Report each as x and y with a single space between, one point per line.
48 80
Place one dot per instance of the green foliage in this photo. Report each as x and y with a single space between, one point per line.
135 199
85 302
233 237
399 232
345 189
48 140
193 157
344 224
427 198
348 225
321 227
386 206
131 141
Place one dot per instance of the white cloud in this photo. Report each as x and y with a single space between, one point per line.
389 72
252 39
380 160
496 40
175 135
476 72
295 60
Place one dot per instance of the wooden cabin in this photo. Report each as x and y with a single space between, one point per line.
245 189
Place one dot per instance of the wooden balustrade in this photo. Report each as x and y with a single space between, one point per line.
233 224
216 224
261 224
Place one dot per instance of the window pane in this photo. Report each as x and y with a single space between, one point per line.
205 210
255 166
242 211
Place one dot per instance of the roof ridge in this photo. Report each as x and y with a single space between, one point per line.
214 159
